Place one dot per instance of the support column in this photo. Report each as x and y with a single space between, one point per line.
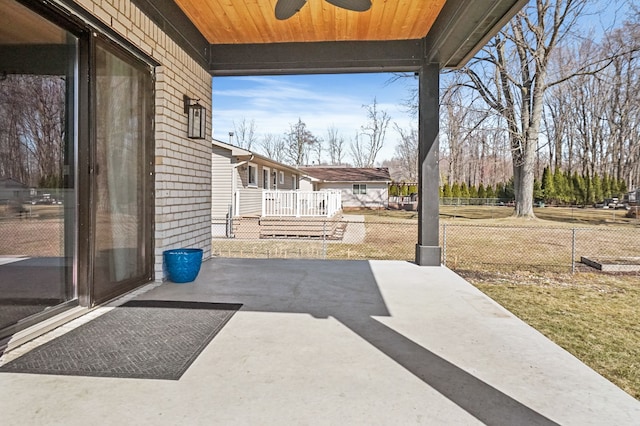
428 251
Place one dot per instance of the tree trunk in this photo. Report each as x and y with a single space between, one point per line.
524 184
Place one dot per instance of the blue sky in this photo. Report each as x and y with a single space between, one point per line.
320 101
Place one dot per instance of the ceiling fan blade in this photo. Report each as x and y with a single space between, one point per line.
285 9
355 5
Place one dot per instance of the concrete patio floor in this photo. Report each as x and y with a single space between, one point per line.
340 343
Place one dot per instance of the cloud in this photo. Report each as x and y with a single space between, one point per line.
276 103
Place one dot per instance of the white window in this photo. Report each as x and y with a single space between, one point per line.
265 177
252 175
281 178
359 188
274 179
294 182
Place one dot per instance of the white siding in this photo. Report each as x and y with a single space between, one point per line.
251 197
250 202
305 185
221 182
377 195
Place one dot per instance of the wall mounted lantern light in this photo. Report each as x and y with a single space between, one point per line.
196 118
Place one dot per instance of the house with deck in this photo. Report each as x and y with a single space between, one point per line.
255 196
360 188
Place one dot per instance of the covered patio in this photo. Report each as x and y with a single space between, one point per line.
340 342
315 342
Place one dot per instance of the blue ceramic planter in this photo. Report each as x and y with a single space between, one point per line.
183 265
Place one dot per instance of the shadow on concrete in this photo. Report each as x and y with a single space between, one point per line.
476 397
347 291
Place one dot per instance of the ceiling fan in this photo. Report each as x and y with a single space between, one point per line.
285 9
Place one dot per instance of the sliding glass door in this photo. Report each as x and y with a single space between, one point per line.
122 173
76 164
38 140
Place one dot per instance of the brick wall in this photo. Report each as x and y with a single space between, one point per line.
182 165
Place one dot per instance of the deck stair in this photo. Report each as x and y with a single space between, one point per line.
308 227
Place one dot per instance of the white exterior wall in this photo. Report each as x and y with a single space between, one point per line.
306 185
377 195
250 202
286 186
182 165
251 196
246 200
222 171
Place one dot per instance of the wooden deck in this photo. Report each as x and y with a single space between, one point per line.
275 227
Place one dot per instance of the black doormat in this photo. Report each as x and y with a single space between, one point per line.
145 339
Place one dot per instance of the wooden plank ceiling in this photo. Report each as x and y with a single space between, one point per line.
253 21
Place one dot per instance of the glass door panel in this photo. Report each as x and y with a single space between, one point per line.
38 92
121 173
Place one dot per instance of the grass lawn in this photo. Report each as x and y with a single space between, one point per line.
594 316
546 216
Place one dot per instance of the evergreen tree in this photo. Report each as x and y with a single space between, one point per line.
614 187
455 190
579 189
548 191
560 186
464 190
596 184
482 193
473 192
606 187
538 192
570 190
588 184
508 190
446 190
622 188
490 192
500 193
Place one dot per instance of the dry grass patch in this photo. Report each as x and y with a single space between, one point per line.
594 316
546 216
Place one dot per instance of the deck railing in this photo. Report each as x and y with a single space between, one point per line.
301 203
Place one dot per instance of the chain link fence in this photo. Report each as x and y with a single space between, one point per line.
464 246
538 248
31 231
343 237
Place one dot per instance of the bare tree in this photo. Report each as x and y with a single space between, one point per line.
274 147
591 120
298 143
623 114
358 151
335 145
517 61
245 133
368 144
316 150
32 129
407 153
